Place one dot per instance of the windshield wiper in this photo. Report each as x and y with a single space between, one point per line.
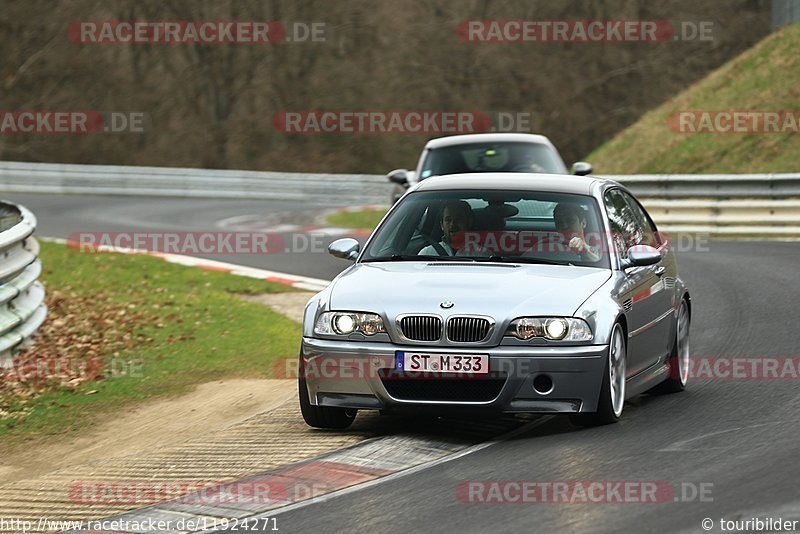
494 258
543 261
407 257
517 259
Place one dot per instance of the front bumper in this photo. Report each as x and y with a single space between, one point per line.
358 375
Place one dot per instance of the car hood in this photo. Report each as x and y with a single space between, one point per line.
499 290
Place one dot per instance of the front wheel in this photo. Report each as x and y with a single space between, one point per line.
323 416
612 392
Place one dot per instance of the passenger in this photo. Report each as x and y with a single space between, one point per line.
571 221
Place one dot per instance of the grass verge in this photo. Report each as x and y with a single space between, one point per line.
366 219
123 329
761 79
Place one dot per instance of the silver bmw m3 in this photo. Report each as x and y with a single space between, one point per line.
499 292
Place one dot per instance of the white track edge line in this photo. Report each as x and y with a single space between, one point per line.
399 474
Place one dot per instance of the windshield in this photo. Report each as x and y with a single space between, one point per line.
503 226
492 157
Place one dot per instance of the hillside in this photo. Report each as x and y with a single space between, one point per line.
765 78
222 106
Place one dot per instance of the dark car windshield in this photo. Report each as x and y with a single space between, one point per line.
503 226
492 157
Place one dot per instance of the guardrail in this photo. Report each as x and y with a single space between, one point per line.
721 205
738 205
182 182
22 308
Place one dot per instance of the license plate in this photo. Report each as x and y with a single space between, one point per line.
474 364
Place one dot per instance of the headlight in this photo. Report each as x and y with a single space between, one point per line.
553 328
343 323
528 327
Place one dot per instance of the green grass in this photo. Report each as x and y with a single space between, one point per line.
764 78
362 220
193 328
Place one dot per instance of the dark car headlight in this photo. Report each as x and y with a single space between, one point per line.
552 328
343 323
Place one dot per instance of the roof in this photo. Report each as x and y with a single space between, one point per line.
553 183
488 138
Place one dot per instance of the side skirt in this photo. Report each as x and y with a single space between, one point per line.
649 378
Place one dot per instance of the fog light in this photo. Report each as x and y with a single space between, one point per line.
543 384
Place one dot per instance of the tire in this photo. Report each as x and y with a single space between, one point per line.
612 392
323 416
678 361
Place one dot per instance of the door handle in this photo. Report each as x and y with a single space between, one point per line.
660 270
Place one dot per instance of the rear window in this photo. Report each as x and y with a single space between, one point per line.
492 157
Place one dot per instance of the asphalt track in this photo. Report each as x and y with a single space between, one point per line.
63 215
738 437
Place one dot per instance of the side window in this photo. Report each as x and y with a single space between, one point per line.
643 221
625 232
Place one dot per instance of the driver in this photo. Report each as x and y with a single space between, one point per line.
456 217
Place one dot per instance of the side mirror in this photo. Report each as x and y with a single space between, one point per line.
398 176
397 192
641 255
581 168
346 248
